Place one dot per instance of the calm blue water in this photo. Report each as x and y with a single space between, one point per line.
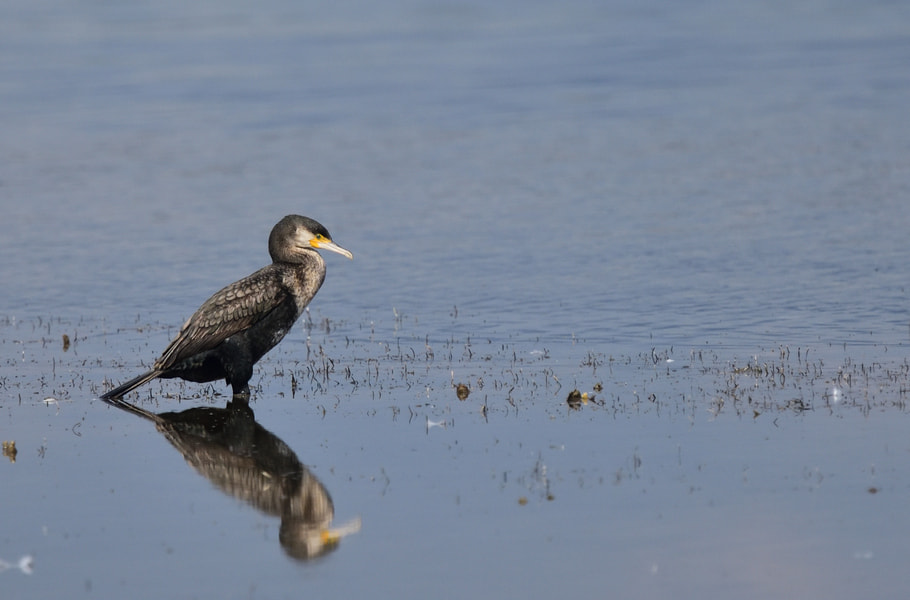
538 198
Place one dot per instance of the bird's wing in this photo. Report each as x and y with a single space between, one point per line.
233 309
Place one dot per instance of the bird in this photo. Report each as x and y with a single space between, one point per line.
234 328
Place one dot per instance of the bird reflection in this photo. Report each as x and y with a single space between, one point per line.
241 458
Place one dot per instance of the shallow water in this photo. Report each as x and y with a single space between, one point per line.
696 214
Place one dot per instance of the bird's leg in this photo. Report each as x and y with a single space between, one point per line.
242 394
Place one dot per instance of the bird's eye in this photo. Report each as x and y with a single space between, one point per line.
317 239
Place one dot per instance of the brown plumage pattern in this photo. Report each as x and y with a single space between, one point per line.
231 310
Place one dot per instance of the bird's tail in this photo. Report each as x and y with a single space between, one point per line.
129 386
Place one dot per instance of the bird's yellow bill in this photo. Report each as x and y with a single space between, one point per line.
324 243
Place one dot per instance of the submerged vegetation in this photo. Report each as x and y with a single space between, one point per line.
333 363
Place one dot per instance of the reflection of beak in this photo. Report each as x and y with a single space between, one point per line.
325 244
333 536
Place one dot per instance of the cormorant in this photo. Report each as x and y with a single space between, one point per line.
234 328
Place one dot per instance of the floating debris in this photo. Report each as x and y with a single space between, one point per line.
576 399
432 424
66 342
523 501
51 400
9 450
462 391
798 405
24 565
598 387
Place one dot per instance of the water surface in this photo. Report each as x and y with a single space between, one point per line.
695 213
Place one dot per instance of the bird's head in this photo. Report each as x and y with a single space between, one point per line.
295 234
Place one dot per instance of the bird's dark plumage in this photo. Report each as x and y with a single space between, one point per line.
233 329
